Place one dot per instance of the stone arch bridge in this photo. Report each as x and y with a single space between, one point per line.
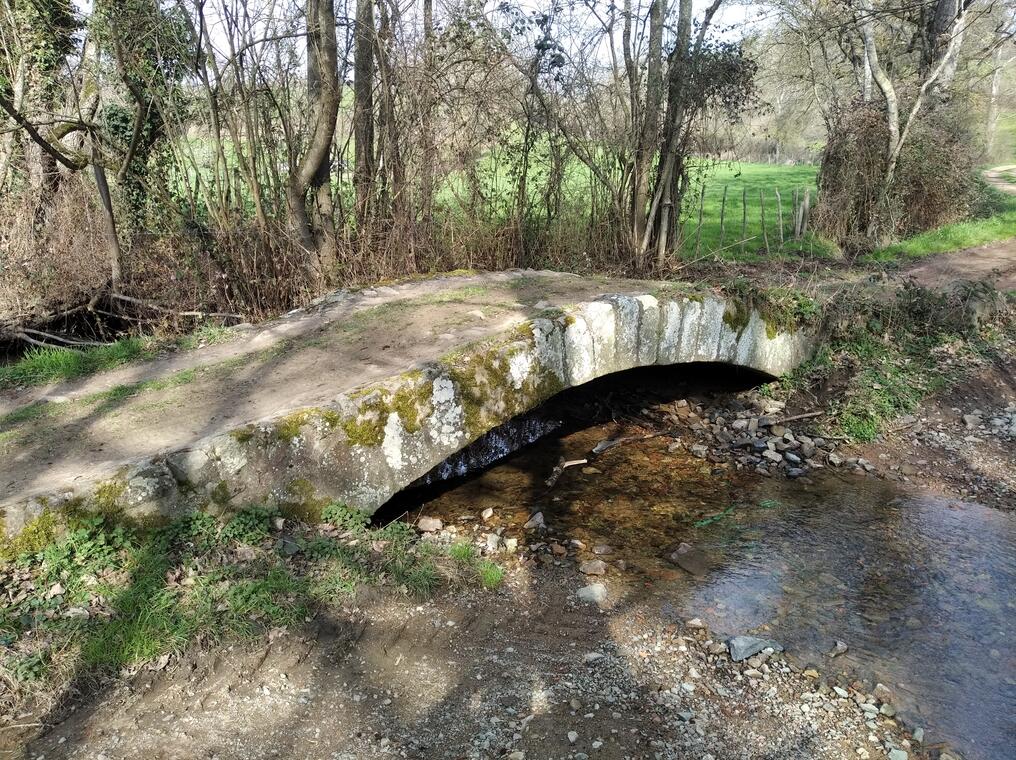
357 396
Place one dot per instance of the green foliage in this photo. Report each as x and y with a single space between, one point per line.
46 365
30 668
346 518
463 551
491 575
250 526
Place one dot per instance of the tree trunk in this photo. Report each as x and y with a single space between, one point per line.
363 107
324 94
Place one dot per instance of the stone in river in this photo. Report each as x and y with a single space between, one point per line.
693 561
743 647
839 648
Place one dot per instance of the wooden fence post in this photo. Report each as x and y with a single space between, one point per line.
744 217
698 230
798 214
723 213
807 210
779 213
762 214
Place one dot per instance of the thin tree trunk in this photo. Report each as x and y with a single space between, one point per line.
363 108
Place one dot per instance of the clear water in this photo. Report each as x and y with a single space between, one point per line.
921 588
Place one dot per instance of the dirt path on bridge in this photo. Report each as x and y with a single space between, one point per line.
91 428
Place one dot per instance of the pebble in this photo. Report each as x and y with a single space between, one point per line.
572 737
429 524
535 521
593 567
594 593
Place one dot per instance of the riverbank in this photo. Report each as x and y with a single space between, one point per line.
527 671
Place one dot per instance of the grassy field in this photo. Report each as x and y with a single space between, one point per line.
746 187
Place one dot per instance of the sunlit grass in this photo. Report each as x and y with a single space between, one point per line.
41 365
1000 225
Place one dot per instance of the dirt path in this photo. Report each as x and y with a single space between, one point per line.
1002 178
994 261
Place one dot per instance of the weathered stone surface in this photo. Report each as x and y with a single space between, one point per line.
368 444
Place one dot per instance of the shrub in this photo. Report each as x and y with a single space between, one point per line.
933 185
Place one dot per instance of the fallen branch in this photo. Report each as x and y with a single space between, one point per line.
61 338
165 310
561 467
608 444
796 417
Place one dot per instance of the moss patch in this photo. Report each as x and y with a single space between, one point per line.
484 388
33 537
410 401
106 499
301 501
287 428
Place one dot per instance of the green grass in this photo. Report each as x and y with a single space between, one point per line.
153 592
40 365
999 225
744 182
46 365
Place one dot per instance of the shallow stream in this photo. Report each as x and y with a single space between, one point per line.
919 587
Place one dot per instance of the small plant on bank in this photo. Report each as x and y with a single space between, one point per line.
101 597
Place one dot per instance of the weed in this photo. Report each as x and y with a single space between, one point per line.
462 551
31 667
205 335
346 518
491 575
250 526
714 518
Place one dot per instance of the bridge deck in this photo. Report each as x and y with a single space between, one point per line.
85 430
